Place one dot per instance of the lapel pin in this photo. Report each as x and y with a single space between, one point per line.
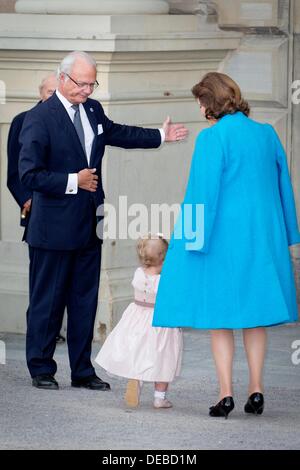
92 110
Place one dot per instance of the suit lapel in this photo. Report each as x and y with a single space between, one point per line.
91 116
90 112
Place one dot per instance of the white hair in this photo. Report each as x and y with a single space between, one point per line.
45 79
67 63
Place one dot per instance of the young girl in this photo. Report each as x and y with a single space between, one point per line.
135 349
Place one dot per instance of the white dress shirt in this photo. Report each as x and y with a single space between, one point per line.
72 185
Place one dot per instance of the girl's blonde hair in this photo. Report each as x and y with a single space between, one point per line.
152 250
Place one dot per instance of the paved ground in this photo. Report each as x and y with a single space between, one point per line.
84 419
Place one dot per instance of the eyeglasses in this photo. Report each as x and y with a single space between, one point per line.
82 85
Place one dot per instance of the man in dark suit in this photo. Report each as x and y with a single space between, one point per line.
63 142
20 193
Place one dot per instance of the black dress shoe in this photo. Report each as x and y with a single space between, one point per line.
92 382
255 404
45 381
223 408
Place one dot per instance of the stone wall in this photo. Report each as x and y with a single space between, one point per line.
146 69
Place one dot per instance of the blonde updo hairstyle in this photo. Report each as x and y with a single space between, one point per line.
152 250
220 95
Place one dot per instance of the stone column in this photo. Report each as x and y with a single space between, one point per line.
147 63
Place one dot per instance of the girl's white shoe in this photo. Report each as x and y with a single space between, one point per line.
132 395
162 403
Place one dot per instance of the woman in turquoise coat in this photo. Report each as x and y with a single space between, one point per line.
228 265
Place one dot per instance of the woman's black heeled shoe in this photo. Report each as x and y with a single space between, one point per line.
223 408
255 404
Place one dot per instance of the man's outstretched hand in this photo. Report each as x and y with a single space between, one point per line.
174 132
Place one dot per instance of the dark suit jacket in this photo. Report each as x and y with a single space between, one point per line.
50 151
20 193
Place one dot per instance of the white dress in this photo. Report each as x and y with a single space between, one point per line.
137 350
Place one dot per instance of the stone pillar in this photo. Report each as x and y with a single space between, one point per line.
147 65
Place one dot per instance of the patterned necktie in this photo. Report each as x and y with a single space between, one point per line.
78 125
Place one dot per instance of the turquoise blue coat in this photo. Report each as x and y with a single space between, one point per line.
231 268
